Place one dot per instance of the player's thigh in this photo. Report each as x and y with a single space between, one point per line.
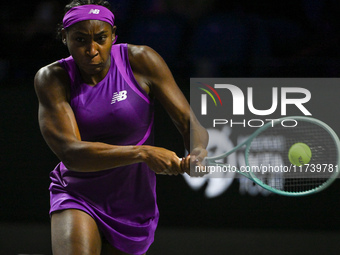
74 232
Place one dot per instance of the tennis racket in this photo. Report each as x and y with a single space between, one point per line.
267 162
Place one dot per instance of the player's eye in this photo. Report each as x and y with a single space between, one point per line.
80 39
102 38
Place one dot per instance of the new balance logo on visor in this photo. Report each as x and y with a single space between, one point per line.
119 96
94 11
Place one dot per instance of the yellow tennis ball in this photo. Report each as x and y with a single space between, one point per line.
299 154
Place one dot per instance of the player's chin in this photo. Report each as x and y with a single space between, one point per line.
93 69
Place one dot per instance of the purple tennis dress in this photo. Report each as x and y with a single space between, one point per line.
122 200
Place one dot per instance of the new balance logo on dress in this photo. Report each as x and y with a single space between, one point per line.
119 96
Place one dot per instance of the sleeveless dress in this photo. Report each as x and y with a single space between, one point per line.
122 200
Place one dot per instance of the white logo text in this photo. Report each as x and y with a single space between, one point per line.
119 96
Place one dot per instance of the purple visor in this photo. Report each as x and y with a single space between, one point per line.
88 12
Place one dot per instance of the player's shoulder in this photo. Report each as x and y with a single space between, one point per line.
50 74
51 71
140 53
139 50
143 58
51 83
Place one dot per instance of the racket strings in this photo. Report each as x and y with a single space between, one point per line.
268 157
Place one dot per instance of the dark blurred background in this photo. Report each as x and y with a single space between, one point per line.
203 38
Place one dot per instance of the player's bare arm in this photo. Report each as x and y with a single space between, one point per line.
156 78
60 130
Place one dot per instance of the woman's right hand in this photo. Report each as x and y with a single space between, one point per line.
161 161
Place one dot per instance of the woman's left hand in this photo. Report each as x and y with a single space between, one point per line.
193 161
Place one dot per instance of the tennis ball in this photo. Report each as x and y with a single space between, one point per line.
299 154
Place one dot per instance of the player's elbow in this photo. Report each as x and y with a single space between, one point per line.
68 153
71 157
69 161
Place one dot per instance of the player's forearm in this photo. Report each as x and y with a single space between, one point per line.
198 135
92 156
199 138
194 135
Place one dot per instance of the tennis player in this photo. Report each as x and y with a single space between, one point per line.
96 113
